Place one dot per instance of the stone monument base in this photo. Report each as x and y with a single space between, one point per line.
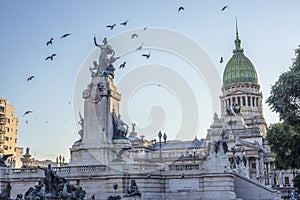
132 198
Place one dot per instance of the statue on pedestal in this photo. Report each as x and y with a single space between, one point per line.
3 159
5 193
120 128
133 190
106 57
115 197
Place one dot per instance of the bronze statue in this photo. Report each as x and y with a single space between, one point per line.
5 194
133 190
3 159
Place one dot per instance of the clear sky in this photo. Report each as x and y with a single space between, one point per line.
268 29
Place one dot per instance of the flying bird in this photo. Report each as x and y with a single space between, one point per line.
30 78
180 8
65 35
122 65
134 35
49 42
111 26
224 8
145 28
26 121
124 23
146 55
221 60
27 112
140 47
50 57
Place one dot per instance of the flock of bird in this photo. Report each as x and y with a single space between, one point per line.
111 27
51 57
134 35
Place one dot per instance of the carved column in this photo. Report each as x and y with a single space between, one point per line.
280 179
257 167
248 167
261 164
269 171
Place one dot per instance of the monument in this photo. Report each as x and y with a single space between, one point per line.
213 168
103 134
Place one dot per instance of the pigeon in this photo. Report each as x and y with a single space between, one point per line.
49 42
50 57
134 35
111 26
146 55
221 60
27 112
140 47
224 8
65 35
124 23
180 8
30 78
122 65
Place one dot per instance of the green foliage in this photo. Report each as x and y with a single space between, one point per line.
297 181
285 94
284 138
284 141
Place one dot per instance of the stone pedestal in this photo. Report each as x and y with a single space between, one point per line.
218 180
132 198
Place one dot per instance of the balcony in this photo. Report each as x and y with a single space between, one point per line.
2 103
2 120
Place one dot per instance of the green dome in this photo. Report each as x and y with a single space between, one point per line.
239 68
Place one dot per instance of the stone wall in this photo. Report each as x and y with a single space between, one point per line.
188 181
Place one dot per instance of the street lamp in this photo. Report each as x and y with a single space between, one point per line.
159 137
60 160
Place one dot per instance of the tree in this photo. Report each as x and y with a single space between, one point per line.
285 143
297 181
284 137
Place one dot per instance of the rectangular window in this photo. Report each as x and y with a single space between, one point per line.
249 101
239 101
286 180
2 109
8 120
253 165
253 101
244 101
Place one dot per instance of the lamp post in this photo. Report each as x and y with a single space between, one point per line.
159 137
60 160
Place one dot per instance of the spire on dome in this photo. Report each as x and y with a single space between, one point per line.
237 39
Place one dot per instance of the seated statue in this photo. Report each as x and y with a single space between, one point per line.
120 128
5 194
133 190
